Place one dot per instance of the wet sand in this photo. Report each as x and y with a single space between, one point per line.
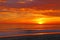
35 37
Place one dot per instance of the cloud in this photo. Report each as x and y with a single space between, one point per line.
52 14
39 4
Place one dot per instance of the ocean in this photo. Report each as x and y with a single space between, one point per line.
10 30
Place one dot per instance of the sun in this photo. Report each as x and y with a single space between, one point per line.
39 20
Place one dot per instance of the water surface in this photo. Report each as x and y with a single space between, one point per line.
27 29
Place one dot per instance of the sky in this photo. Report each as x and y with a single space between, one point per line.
29 11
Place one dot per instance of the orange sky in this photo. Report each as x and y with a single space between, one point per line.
29 11
28 15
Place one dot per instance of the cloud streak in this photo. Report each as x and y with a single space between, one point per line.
42 4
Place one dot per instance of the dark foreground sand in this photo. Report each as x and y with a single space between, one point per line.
36 37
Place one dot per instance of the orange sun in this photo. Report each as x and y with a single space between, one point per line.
39 20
